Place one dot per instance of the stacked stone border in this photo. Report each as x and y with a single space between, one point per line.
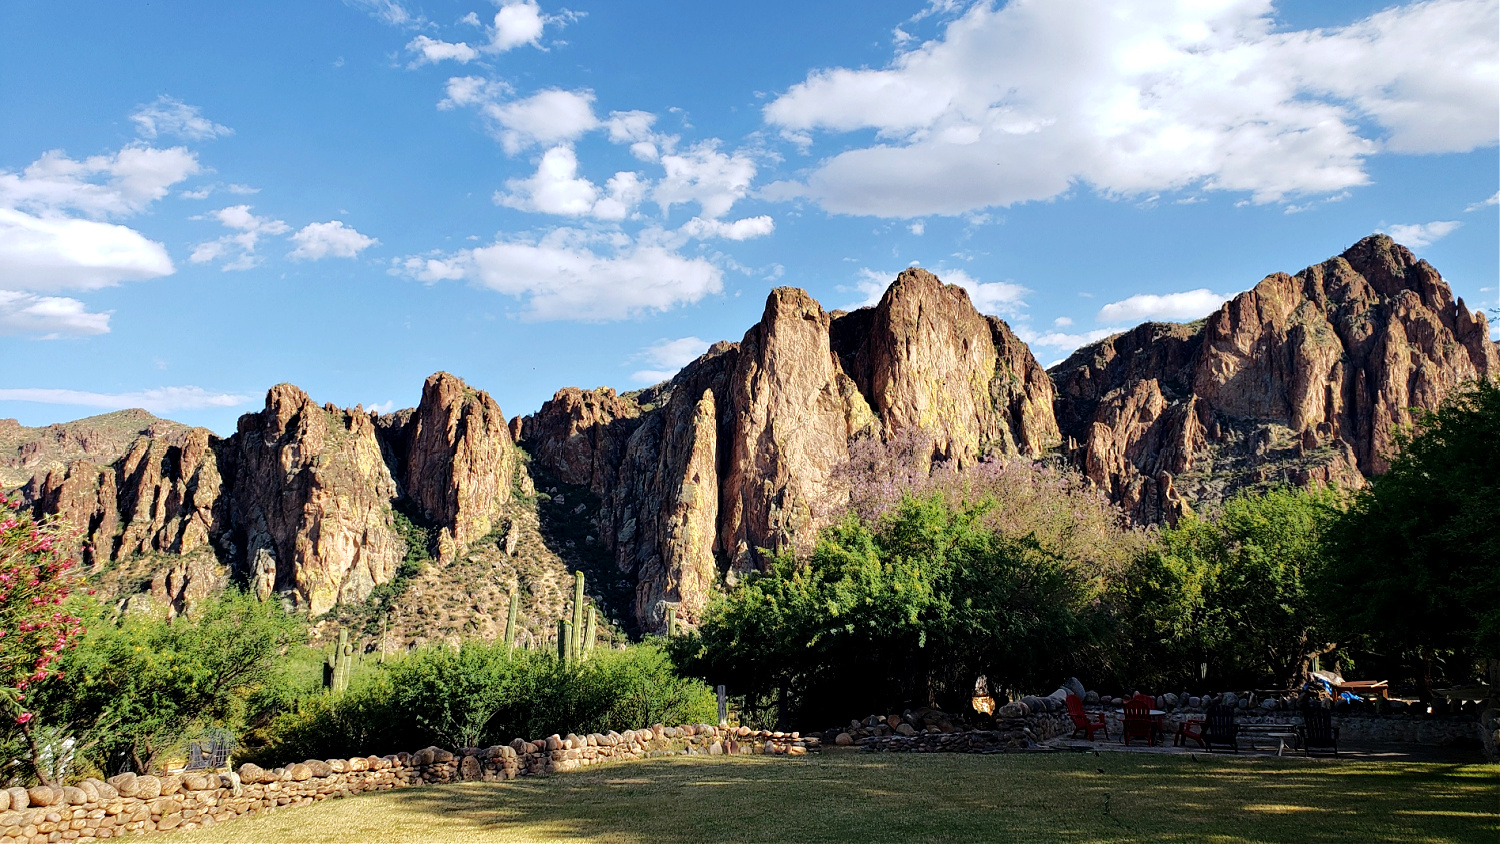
127 804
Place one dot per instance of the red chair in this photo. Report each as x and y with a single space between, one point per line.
1081 722
1138 721
1158 720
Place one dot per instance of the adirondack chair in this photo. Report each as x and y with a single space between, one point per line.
1081 722
1219 728
1317 731
1157 720
1138 723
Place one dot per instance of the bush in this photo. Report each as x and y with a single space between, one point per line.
481 694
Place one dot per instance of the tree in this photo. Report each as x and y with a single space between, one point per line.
137 686
35 629
1231 592
1416 560
909 610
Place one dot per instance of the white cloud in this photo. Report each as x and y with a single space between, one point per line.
578 275
1418 235
667 357
100 185
333 239
999 298
60 253
706 176
745 229
158 400
238 248
917 228
556 188
634 128
171 116
518 22
432 51
1493 200
50 317
381 407
1171 307
1019 102
389 12
1062 322
1060 340
547 117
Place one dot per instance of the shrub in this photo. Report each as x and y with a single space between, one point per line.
481 694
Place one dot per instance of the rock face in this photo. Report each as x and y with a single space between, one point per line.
737 452
159 498
103 439
311 502
1303 379
459 462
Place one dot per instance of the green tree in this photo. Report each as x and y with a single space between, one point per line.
909 610
1415 568
1231 592
138 686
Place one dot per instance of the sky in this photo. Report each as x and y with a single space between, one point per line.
199 200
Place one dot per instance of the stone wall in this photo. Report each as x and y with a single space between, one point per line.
1354 729
131 804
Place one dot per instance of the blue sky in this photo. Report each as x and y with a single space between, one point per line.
199 200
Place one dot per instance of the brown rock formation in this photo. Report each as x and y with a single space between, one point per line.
103 439
792 412
1303 379
159 498
312 501
579 436
460 463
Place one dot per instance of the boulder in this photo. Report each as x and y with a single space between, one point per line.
318 767
251 773
1074 686
906 729
843 740
300 772
1014 709
1091 698
150 787
127 784
20 799
43 795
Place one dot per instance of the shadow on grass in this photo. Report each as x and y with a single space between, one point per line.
1077 797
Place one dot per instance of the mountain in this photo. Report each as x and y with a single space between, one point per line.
26 451
662 494
1302 379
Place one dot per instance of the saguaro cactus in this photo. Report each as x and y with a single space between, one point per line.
339 665
671 621
510 620
592 632
563 635
575 651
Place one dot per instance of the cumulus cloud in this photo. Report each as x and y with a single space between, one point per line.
99 186
666 357
48 317
333 239
547 117
704 175
556 188
634 128
237 250
1171 307
158 400
389 12
1061 340
998 298
61 253
1418 235
1019 102
171 116
578 275
518 22
745 229
432 51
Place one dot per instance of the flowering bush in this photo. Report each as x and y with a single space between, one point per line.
35 580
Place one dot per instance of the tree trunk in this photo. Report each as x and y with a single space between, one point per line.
35 756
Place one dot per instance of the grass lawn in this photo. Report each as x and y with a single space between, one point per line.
917 797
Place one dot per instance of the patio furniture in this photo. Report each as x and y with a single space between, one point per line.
1219 728
1317 731
1190 730
1138 721
1157 715
1282 739
1253 733
1081 722
1364 688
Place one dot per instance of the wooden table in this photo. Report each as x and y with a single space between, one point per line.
1280 732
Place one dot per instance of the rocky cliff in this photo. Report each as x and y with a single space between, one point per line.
26 452
1302 379
736 454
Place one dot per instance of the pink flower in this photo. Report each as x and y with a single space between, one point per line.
24 717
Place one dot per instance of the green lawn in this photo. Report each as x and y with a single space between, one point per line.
912 797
